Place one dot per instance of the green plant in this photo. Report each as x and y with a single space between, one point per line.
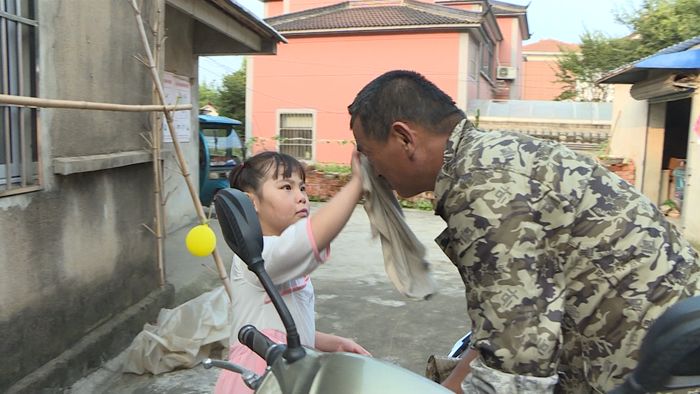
333 168
421 204
604 149
317 198
670 203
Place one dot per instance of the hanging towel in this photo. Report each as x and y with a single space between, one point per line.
404 254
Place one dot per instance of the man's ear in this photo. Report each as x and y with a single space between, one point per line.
405 136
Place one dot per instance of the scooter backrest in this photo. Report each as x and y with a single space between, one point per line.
239 224
670 352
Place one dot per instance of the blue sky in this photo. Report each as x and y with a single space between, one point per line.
563 20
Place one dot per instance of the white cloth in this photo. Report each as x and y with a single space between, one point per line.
289 258
182 336
404 254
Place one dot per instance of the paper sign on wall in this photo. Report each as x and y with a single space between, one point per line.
177 91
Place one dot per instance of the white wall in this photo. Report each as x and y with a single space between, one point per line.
691 203
628 129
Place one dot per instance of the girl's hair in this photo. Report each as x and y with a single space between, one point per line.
249 176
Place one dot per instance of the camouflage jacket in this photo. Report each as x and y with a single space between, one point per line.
565 264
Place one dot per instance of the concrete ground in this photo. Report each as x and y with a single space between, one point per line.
354 299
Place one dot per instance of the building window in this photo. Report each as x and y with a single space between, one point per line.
296 135
18 61
487 58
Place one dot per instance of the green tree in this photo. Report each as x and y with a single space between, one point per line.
208 94
656 25
232 97
597 54
662 23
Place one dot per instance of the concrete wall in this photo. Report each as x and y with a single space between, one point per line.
653 153
690 219
74 253
628 130
179 59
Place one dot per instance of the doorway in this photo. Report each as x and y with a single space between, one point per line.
675 151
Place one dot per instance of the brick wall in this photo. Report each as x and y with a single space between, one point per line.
624 170
323 186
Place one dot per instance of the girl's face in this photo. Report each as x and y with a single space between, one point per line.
281 203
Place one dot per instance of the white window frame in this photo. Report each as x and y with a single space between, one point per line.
19 140
474 54
278 133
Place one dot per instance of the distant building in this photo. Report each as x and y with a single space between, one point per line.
297 101
208 109
540 69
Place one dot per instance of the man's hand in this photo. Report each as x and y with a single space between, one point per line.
454 385
454 381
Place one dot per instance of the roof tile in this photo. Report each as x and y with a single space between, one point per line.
373 14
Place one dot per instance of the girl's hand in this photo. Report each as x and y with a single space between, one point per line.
350 346
333 343
356 166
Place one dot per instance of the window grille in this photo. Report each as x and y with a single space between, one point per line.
18 65
296 135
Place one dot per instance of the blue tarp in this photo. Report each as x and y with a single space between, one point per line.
689 59
219 120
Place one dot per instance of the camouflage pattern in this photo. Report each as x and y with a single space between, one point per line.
565 264
487 380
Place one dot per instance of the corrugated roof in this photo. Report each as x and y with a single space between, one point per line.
372 15
628 73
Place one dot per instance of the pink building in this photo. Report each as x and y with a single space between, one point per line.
540 69
297 100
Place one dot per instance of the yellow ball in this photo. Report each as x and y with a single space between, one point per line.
201 240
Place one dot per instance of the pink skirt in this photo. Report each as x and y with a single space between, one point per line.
231 382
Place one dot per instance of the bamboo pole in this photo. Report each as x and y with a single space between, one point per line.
176 145
155 149
34 102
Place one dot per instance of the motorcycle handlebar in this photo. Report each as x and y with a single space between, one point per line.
255 340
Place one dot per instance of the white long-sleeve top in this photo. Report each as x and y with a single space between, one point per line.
289 259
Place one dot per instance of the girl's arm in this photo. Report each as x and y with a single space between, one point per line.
333 343
327 222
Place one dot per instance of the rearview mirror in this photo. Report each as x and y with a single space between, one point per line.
240 225
668 357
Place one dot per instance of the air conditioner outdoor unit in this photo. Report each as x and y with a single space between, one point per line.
504 72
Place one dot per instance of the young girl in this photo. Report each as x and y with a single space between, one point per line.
295 243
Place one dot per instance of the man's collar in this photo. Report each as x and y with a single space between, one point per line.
453 142
449 157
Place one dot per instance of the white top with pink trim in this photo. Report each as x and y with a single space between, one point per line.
289 259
